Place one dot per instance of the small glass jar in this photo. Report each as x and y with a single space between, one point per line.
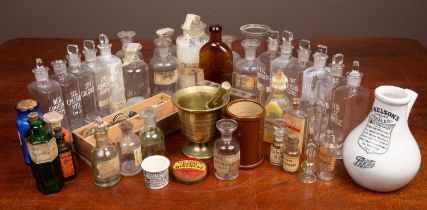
226 151
152 138
291 156
129 149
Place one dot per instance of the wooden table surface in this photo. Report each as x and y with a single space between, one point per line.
400 62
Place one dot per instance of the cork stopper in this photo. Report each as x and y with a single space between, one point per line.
126 127
26 104
33 116
53 117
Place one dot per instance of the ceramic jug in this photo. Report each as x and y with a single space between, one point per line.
381 154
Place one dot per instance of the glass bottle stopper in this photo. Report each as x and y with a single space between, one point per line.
131 54
59 66
226 127
337 65
89 50
287 38
126 36
304 50
307 174
273 40
40 72
216 99
73 55
355 76
320 56
104 44
165 32
250 46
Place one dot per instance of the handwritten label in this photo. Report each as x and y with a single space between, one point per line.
165 78
109 168
57 105
292 87
226 164
43 153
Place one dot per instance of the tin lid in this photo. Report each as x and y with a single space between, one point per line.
189 170
26 104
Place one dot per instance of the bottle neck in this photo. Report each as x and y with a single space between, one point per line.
215 37
226 136
250 53
105 51
150 123
38 131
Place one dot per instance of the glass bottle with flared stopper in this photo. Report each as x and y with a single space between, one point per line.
291 155
129 149
166 33
277 147
226 151
264 75
228 40
126 37
152 138
308 168
327 156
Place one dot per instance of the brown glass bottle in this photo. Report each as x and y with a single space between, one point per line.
216 58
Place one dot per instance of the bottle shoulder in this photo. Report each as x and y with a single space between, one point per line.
46 86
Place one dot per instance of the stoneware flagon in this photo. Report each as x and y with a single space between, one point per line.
381 153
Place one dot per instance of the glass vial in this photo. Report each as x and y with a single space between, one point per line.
308 167
226 151
129 149
291 156
105 160
152 138
264 75
277 147
68 163
327 156
296 122
126 37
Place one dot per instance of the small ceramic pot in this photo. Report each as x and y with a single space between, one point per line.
156 171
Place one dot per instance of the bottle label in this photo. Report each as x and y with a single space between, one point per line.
226 164
103 87
165 78
292 87
276 155
75 103
137 154
295 125
118 97
87 89
67 164
188 68
57 105
246 82
290 164
326 159
109 168
189 74
335 113
43 153
270 117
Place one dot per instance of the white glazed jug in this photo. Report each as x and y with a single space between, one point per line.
381 154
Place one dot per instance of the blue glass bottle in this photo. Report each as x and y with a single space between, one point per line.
23 108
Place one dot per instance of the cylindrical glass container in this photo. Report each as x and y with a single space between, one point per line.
256 31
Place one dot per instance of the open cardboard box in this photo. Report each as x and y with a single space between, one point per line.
167 121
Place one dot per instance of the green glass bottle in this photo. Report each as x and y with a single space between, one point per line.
44 158
68 163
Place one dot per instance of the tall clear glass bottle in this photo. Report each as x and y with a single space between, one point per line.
152 138
136 75
105 160
293 68
86 83
291 155
101 78
245 75
325 88
226 151
187 49
327 156
264 75
296 122
47 92
71 93
114 65
166 33
129 149
228 40
126 37
277 147
349 107
276 104
163 68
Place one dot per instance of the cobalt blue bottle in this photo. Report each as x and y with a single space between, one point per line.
23 108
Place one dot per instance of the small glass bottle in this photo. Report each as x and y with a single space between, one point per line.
164 68
308 168
86 82
47 92
216 58
187 50
71 93
23 108
136 75
277 147
105 160
114 66
276 104
245 77
129 149
166 33
68 163
264 75
53 120
349 107
291 155
327 156
126 37
152 138
325 88
228 40
101 78
45 163
296 122
226 151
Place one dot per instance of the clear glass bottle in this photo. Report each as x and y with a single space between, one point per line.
296 122
308 167
105 160
349 107
277 147
325 88
101 78
296 68
226 151
68 162
126 37
47 92
136 75
245 76
276 104
129 149
164 68
114 65
216 58
291 155
86 83
327 156
228 40
166 33
264 75
152 138
71 93
187 49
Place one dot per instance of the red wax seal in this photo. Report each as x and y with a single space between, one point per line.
189 170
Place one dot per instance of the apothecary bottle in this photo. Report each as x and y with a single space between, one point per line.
226 151
126 37
152 138
101 78
188 47
129 149
327 156
66 157
216 58
164 68
291 155
264 75
47 92
277 147
105 160
296 122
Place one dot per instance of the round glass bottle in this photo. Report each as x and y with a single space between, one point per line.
152 138
129 149
226 151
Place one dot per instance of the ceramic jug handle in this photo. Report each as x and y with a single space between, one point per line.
413 96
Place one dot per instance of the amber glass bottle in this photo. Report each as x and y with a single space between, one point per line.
216 58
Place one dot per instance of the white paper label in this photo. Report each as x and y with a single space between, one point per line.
165 78
43 153
108 168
